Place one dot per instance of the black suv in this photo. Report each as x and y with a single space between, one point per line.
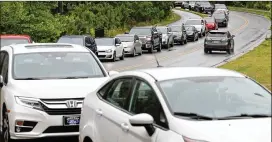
204 7
83 40
150 37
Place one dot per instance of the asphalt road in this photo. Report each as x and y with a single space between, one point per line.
247 28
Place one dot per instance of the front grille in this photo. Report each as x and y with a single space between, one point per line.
59 107
62 129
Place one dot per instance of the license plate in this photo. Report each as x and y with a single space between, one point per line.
71 120
216 41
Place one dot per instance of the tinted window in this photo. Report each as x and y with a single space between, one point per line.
5 65
193 22
217 96
104 41
119 92
189 28
217 34
9 41
72 40
219 15
144 100
140 31
56 65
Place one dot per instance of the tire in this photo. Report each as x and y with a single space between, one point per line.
232 50
200 35
140 52
159 47
206 51
197 38
134 52
123 56
5 137
114 57
151 50
168 45
185 41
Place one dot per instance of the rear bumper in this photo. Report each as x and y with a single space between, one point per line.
219 47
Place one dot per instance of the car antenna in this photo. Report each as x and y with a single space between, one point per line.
157 61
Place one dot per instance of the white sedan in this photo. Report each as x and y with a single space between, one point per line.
179 104
110 48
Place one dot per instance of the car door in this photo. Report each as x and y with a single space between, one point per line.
2 56
144 100
111 110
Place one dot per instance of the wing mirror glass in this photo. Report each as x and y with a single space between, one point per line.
1 81
143 120
117 44
111 73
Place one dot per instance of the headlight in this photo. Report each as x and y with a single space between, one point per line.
29 102
186 139
149 38
109 51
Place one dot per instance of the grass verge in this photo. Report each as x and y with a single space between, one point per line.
170 19
256 64
196 13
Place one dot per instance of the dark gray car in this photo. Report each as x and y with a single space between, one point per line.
149 36
179 33
192 33
221 18
219 40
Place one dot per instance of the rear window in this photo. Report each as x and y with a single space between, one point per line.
217 34
210 20
9 41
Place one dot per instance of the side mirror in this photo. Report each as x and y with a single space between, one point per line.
88 45
143 120
111 73
155 32
117 44
1 81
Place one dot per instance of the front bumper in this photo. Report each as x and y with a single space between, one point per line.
177 39
146 46
190 37
128 50
47 125
105 55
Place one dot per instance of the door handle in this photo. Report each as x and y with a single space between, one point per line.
99 112
125 127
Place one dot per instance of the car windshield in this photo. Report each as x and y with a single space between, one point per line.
162 30
55 65
72 40
217 34
189 28
140 31
210 20
193 22
175 28
104 41
192 2
216 96
126 38
9 41
219 15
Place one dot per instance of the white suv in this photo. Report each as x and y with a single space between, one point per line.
199 24
42 87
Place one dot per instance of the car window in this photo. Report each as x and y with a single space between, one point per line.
119 92
5 65
2 55
144 100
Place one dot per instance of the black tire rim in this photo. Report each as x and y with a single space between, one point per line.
5 127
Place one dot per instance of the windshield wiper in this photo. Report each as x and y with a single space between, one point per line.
244 116
193 115
74 77
29 78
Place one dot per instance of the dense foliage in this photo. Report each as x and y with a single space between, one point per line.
263 5
46 21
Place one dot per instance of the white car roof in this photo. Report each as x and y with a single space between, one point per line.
168 73
45 47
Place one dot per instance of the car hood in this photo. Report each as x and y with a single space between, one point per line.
103 48
61 88
127 44
242 130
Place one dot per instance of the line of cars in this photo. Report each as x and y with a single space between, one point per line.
58 90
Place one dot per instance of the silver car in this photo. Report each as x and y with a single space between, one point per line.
132 44
167 36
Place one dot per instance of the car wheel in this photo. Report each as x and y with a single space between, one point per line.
172 44
159 48
185 41
200 35
232 50
5 128
134 52
206 51
196 38
151 50
123 56
114 57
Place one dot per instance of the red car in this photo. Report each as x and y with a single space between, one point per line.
14 39
211 23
